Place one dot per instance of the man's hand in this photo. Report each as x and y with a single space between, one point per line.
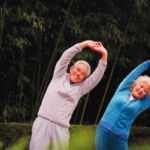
91 44
103 52
96 46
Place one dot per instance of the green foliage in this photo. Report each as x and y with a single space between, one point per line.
141 144
20 145
1 145
82 137
12 132
139 132
17 135
31 30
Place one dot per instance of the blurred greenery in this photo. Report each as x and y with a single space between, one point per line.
17 135
21 144
1 144
35 33
82 137
33 36
141 144
81 141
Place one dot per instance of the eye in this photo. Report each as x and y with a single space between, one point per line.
145 91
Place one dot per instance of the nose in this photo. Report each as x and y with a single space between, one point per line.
141 90
78 73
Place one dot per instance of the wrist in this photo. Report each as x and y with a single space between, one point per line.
83 44
104 56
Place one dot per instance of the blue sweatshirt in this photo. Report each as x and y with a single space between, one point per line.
120 113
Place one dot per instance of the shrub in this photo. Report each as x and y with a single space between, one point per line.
81 136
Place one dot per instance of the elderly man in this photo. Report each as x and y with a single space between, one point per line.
50 129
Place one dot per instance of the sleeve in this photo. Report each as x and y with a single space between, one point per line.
63 62
127 82
146 103
94 78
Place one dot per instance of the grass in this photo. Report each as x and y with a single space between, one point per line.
82 141
140 144
1 144
21 144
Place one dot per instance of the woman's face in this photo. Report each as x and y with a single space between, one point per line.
140 90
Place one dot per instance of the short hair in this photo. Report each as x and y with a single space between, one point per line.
144 78
86 64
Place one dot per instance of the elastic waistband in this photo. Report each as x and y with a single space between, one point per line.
113 129
45 119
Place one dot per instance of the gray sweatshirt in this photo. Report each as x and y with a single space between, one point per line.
61 98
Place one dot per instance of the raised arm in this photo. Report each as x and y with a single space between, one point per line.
96 76
96 46
63 62
127 82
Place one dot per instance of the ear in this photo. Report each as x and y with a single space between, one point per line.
71 68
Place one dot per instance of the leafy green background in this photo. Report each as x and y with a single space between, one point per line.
35 33
17 135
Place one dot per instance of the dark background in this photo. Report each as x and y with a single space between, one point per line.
35 33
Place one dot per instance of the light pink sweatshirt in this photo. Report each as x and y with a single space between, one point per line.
61 98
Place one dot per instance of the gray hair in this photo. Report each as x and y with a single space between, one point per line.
86 64
144 78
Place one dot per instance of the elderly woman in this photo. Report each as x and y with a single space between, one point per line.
130 99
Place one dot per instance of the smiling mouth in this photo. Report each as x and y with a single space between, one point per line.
139 93
75 76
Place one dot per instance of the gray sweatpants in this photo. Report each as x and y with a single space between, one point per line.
47 135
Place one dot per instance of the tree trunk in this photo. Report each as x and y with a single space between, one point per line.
113 69
2 25
77 111
39 67
84 107
47 71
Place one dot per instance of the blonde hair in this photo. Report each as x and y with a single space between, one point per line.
144 78
86 64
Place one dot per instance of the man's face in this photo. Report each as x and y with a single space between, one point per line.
140 90
78 73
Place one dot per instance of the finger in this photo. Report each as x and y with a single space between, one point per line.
100 43
97 49
97 44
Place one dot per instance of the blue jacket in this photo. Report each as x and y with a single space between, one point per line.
120 113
